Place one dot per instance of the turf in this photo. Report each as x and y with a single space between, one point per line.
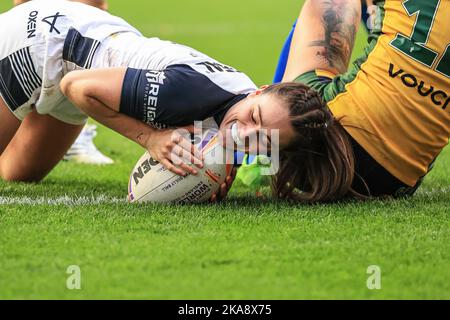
245 248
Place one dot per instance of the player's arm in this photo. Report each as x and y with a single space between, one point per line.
324 37
98 93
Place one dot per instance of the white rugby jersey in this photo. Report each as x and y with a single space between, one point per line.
42 40
31 53
168 84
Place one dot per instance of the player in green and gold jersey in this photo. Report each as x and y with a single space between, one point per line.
394 103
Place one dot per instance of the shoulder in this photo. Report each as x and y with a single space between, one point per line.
221 75
319 80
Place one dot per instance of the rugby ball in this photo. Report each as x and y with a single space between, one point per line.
152 182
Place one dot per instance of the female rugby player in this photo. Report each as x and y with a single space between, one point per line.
139 87
393 107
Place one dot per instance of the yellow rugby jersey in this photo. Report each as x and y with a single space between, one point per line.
395 102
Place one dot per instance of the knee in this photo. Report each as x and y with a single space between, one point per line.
14 175
19 178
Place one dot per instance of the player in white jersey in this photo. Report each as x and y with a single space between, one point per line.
83 150
142 88
31 70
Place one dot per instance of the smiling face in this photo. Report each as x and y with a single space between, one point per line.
258 115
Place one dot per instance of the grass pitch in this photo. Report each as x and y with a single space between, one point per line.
245 248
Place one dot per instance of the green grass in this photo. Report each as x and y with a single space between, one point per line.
244 248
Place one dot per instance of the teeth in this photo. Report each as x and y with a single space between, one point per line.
235 135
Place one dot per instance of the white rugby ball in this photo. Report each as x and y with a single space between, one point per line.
152 182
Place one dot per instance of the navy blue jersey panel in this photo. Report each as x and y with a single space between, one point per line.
79 50
176 96
18 78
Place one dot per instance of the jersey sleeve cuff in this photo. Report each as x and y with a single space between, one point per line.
315 75
129 101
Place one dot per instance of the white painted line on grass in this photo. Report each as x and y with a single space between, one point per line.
103 199
63 200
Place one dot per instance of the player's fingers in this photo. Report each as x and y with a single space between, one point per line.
191 149
190 129
180 162
179 151
221 194
197 132
179 138
189 169
234 173
230 179
229 182
187 157
223 191
171 167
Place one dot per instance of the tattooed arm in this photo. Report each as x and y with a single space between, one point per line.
324 37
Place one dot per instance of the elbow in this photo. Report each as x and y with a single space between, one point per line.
75 88
67 85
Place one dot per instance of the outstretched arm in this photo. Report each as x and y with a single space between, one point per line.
98 94
324 37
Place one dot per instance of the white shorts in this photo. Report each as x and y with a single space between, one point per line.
36 40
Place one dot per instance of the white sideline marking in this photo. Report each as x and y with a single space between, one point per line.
103 199
64 200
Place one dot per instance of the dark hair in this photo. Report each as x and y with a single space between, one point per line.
319 166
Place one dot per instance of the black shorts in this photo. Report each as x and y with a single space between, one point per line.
371 179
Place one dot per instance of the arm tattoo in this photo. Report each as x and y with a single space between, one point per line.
340 25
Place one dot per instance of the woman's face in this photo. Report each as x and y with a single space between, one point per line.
259 115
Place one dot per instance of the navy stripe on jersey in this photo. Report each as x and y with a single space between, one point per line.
176 96
79 50
18 78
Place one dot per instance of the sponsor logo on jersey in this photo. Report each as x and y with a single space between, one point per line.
32 24
51 21
439 98
214 67
155 79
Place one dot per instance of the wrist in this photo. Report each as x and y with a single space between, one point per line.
144 137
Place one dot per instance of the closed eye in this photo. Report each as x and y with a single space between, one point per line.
254 119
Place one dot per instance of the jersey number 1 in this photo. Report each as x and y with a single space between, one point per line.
414 46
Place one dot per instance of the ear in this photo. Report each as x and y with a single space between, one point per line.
261 90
